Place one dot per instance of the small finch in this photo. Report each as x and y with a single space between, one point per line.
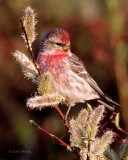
69 76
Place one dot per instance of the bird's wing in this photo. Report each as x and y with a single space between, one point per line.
78 67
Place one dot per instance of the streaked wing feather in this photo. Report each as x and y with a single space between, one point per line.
78 67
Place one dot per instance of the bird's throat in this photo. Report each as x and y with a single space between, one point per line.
56 55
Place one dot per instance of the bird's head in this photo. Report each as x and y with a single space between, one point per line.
57 39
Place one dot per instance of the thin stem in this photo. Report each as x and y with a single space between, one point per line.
119 137
60 113
28 46
54 137
50 134
110 119
122 130
67 113
89 147
62 117
88 158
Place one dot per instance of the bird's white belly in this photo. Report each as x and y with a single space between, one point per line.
74 88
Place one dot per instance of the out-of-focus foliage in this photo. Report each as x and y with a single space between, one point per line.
99 36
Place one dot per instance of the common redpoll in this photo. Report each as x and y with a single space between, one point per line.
69 76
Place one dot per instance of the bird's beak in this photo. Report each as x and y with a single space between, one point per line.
66 48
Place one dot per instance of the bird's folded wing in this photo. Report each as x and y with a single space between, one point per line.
78 67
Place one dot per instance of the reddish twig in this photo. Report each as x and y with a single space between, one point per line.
119 139
120 129
50 134
110 119
28 46
116 123
60 113
67 127
55 137
62 117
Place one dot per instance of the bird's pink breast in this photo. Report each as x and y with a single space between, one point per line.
51 59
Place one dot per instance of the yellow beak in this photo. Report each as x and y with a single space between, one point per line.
66 48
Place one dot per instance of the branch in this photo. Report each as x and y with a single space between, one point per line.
117 125
28 45
62 117
56 138
109 119
50 134
122 130
115 121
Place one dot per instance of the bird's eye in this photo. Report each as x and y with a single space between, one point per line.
59 44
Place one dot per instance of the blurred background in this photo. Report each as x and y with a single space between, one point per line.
99 37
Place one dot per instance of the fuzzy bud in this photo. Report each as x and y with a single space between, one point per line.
26 64
39 102
29 21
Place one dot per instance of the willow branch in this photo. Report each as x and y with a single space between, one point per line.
62 117
50 134
28 45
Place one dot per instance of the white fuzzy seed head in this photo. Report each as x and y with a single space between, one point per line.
29 21
40 102
26 64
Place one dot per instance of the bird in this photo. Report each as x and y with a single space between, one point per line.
69 74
